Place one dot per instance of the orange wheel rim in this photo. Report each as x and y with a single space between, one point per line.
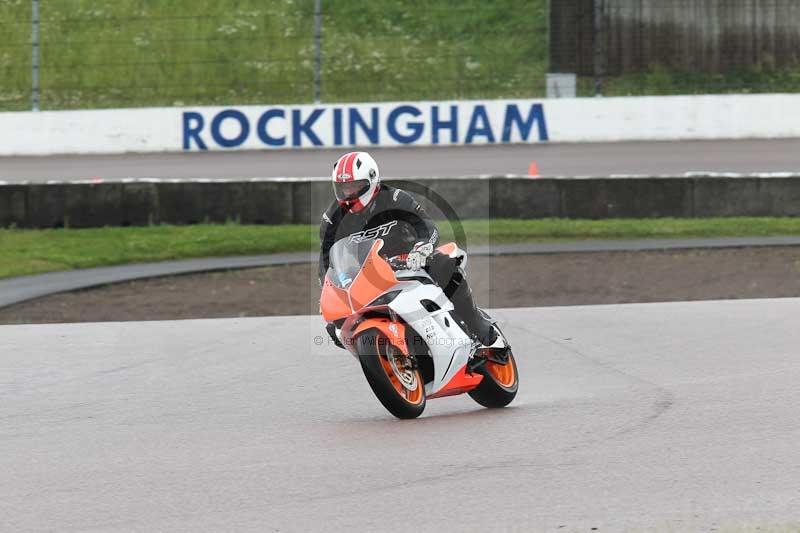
502 374
410 388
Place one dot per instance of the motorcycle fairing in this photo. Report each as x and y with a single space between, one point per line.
373 279
448 344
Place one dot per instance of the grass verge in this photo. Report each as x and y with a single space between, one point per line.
25 252
132 53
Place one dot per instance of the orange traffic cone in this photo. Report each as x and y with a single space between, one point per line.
533 170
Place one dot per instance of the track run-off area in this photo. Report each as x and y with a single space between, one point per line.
552 159
675 416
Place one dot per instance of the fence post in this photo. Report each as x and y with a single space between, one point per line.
35 55
598 37
317 50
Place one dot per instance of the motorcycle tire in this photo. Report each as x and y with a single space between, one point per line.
401 393
499 384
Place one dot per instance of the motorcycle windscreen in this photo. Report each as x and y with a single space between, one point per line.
346 257
374 278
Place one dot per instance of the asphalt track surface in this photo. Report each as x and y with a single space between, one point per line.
556 159
676 416
23 288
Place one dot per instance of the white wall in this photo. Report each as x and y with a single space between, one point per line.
401 123
674 117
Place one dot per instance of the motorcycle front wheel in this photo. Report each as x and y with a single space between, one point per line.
392 376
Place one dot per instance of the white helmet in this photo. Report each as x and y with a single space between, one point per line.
356 180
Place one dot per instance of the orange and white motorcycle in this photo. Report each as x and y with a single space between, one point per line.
401 327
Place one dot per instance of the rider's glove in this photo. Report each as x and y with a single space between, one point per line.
418 256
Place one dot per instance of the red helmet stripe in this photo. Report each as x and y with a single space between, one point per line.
339 166
348 164
345 165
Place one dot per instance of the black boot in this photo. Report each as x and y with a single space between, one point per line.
477 323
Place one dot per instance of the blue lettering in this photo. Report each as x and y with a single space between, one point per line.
370 131
216 128
416 127
513 116
299 127
192 126
484 129
261 127
337 127
451 124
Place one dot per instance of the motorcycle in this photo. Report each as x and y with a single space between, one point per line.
401 327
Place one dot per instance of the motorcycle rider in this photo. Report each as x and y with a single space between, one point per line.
364 204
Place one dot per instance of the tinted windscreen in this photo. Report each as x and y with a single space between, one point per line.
346 258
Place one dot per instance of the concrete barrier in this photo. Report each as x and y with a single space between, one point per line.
301 201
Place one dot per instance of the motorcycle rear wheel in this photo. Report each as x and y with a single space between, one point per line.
499 384
398 387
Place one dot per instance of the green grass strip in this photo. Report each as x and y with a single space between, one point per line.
24 252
